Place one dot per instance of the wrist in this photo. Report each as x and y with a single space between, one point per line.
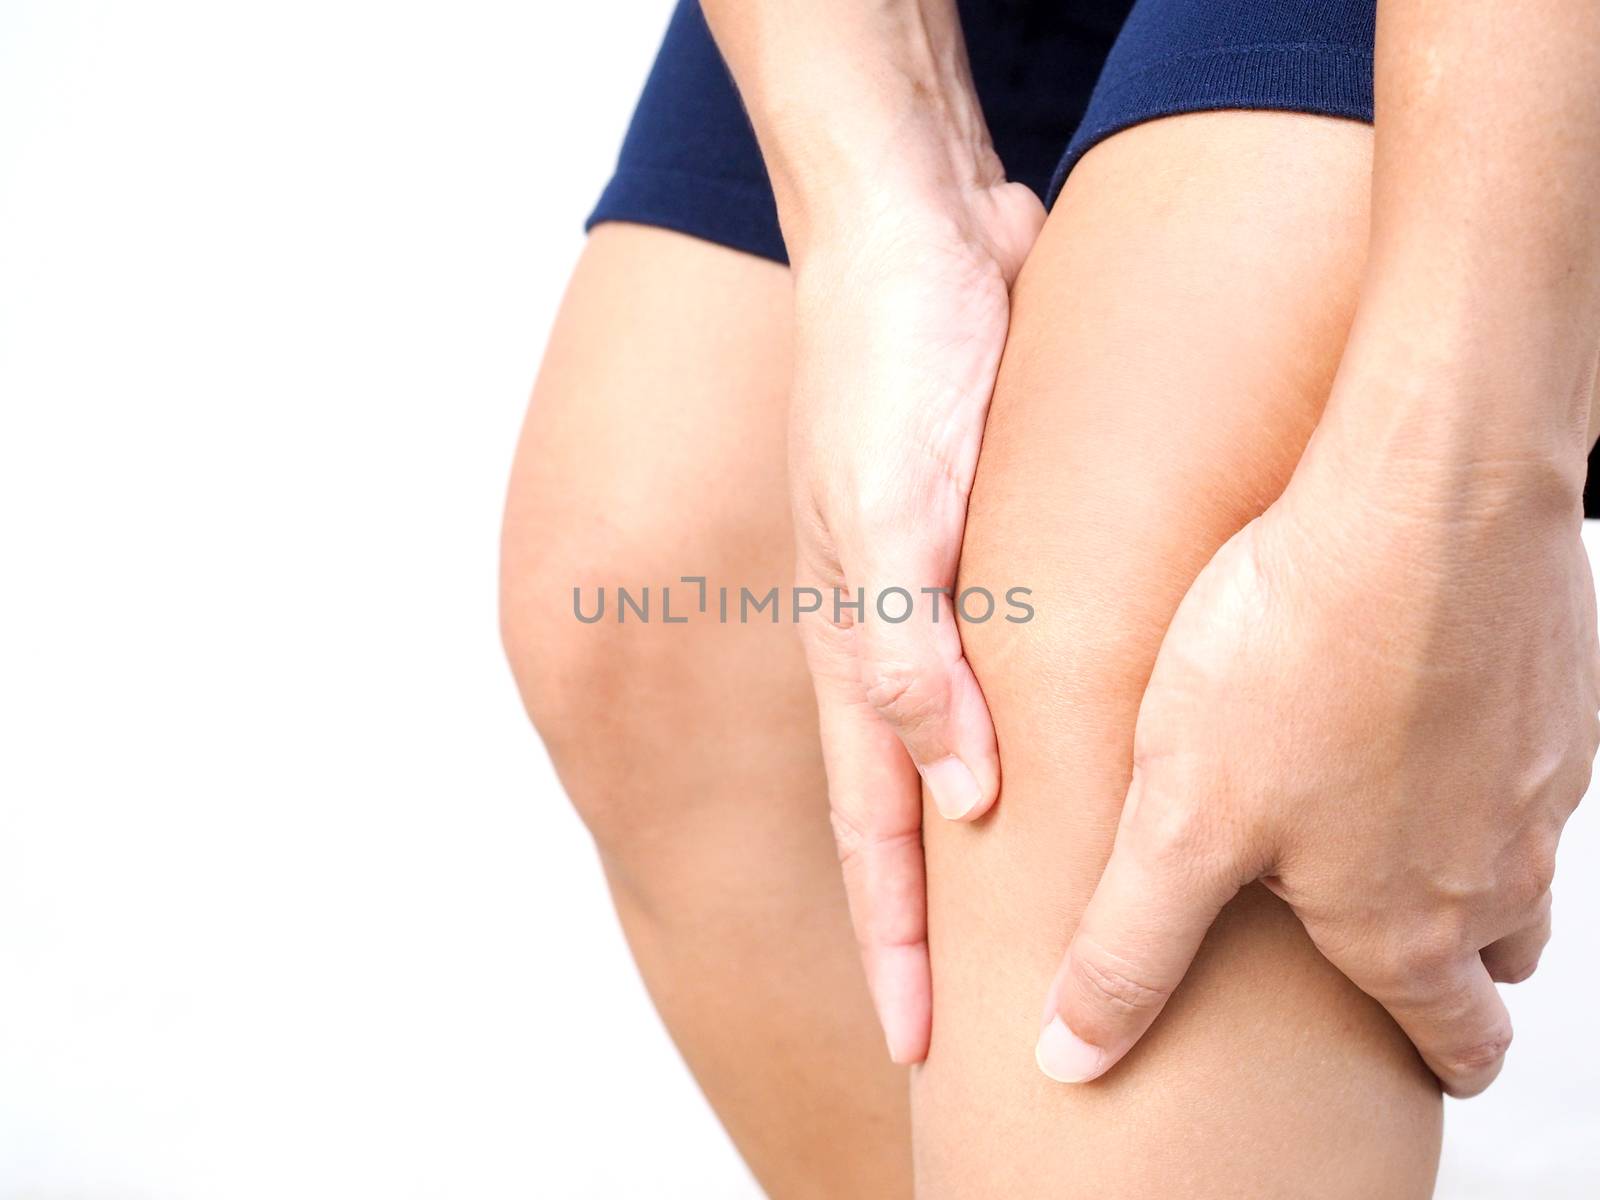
1442 307
858 108
838 177
1442 408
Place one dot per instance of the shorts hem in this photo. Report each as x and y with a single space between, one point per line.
1323 79
737 213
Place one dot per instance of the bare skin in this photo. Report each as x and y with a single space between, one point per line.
1174 336
654 448
1173 339
1446 471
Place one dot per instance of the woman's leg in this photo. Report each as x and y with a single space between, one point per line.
654 449
1174 336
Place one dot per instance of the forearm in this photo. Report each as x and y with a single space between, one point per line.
851 99
1477 335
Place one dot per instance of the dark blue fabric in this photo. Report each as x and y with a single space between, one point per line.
1054 76
689 161
1176 56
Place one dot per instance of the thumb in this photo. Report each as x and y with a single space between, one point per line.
1018 218
1159 894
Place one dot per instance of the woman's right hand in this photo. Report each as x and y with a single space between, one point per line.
905 239
900 321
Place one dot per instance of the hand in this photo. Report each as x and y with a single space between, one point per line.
904 238
900 320
1383 705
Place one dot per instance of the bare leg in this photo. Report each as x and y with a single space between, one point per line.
654 448
1174 336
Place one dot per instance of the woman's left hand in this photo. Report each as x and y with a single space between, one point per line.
1380 699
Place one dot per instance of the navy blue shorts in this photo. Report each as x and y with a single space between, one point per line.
1054 77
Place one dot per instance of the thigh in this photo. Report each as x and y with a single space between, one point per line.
1174 336
654 449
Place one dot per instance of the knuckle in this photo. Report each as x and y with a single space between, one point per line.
829 649
1175 831
880 915
1527 879
1543 874
1536 884
1413 970
902 694
1168 820
1182 835
848 838
1430 961
1187 795
1543 910
1574 782
1473 1059
1115 985
1518 973
857 843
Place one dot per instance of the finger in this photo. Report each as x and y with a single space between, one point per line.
1516 956
1457 1022
1160 893
917 679
876 810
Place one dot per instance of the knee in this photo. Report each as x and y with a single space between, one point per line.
595 692
569 674
632 710
567 671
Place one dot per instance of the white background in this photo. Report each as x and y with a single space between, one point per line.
290 904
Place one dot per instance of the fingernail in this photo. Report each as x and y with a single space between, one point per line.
902 1051
1064 1056
954 787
